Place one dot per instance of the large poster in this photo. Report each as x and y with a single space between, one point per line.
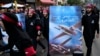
65 36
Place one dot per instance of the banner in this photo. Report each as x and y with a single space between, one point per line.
21 19
65 35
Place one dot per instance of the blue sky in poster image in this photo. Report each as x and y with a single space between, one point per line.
66 16
68 10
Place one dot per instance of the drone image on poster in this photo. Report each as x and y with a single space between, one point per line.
66 31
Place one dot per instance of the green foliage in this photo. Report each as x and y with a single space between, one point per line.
74 2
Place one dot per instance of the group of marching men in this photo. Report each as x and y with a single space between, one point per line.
24 33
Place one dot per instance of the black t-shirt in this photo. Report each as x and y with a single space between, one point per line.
90 23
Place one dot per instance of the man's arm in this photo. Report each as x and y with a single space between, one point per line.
97 25
83 20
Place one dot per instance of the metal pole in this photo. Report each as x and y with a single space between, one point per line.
15 2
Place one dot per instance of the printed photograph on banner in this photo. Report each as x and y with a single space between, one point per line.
65 33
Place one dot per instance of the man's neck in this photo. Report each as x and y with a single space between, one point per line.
89 14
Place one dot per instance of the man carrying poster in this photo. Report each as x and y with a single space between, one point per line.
90 21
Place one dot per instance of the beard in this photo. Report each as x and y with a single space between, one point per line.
88 12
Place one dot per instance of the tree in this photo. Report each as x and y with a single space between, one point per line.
74 2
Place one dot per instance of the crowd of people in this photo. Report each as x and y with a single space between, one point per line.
35 24
26 35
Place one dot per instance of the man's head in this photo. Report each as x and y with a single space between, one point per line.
31 12
12 11
45 12
89 7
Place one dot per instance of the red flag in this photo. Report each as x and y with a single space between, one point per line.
30 51
38 27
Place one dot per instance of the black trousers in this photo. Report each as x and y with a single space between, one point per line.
41 44
89 40
46 35
78 54
35 42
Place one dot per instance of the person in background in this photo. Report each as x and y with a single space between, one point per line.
90 22
46 24
96 10
26 12
30 29
0 29
21 10
39 11
46 27
0 26
11 10
39 30
17 36
34 27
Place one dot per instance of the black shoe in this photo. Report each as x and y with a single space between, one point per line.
78 54
48 55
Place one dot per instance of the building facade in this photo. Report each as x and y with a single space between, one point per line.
44 2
